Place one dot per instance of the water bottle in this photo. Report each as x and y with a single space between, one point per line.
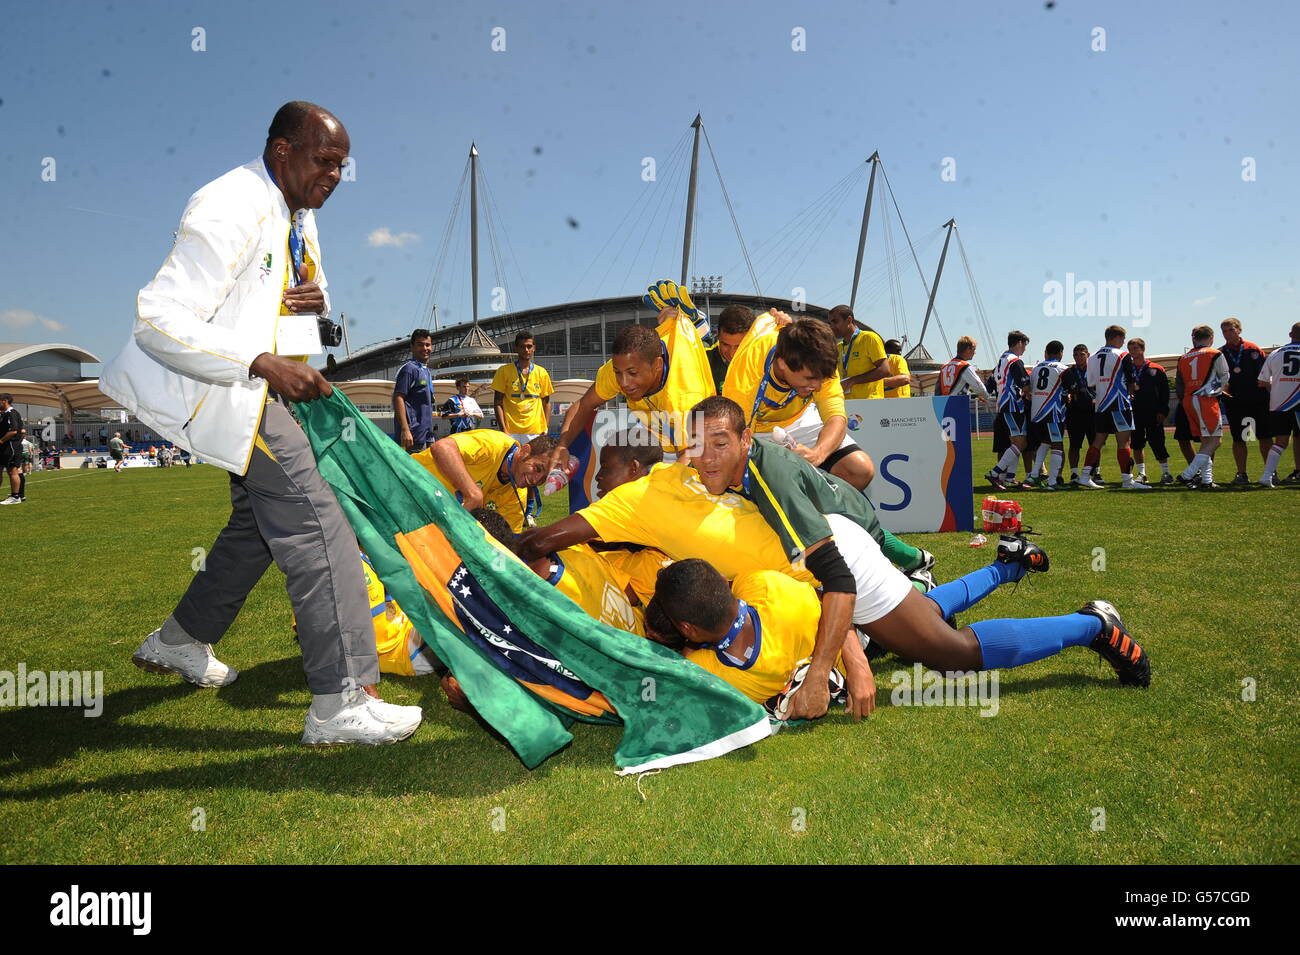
781 437
559 477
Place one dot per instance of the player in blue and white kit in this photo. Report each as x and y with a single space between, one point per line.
1011 382
1049 381
1281 375
1111 378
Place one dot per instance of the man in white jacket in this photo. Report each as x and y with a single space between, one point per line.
215 354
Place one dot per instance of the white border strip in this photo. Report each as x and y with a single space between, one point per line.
719 747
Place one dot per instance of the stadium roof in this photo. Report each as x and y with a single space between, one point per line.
12 352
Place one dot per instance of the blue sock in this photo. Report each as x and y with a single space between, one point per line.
965 592
1012 643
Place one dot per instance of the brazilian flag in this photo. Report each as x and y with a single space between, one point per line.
528 658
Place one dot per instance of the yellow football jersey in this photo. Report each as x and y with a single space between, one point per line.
788 614
595 585
859 355
672 510
523 394
687 381
484 452
749 383
898 366
641 567
396 639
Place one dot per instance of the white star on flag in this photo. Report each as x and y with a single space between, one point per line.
464 591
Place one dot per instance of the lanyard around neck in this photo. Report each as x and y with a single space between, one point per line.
761 399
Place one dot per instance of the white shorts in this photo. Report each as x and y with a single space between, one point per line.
525 438
807 428
880 585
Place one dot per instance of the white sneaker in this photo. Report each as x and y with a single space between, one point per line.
1266 482
363 719
12 499
1135 486
1090 484
194 661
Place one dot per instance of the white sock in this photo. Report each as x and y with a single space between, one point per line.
1054 467
1164 466
1207 476
1040 457
1194 468
1086 475
1007 464
1274 459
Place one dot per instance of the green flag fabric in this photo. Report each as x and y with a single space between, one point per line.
529 659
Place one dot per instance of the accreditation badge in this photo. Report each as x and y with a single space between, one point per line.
298 335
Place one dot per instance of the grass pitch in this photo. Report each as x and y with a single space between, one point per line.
1187 771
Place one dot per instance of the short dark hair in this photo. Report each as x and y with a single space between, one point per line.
1014 338
639 340
716 406
460 380
1117 331
291 119
1140 342
523 336
496 525
1079 347
808 344
636 444
419 334
542 444
1054 348
893 347
696 592
660 628
735 320
1201 333
7 397
839 311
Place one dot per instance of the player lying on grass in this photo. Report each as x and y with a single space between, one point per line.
660 372
489 467
688 513
581 574
753 634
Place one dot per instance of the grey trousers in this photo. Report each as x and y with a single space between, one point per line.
283 510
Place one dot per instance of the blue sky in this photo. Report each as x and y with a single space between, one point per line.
1118 165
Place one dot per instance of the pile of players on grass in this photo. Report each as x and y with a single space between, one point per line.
732 525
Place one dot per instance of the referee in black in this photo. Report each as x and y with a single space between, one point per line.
11 449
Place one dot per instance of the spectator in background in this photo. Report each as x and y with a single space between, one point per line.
1244 403
1150 408
118 449
899 382
85 439
103 436
413 396
461 409
522 399
733 323
862 356
11 449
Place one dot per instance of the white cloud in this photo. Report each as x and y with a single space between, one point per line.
17 318
384 236
1204 301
